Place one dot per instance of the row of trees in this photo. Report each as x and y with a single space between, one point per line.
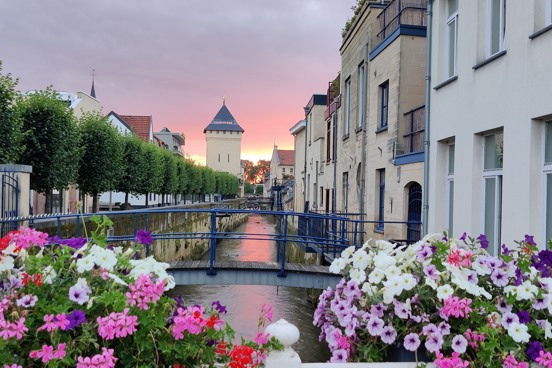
40 130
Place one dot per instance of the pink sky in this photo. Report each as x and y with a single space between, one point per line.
175 60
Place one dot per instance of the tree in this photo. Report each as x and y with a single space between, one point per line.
263 166
11 125
170 178
133 166
248 188
51 142
153 178
259 189
100 166
183 177
247 167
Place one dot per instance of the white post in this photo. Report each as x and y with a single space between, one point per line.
288 335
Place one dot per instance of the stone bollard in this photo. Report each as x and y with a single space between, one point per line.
288 335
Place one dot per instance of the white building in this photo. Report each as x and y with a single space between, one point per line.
491 120
171 141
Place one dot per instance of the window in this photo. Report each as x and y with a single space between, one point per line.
219 157
492 189
548 179
291 169
450 189
452 37
347 107
381 198
321 196
345 191
228 157
283 170
496 26
361 99
384 105
549 12
328 141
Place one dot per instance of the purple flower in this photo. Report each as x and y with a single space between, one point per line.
431 272
388 335
75 243
505 250
444 328
144 237
375 326
219 307
79 293
76 318
529 240
27 301
483 241
459 344
339 356
352 291
503 307
378 309
508 318
524 316
411 342
463 237
519 277
541 303
499 277
434 342
534 349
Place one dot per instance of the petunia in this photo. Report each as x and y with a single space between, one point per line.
518 332
388 334
78 293
434 342
411 342
533 350
459 344
144 237
375 326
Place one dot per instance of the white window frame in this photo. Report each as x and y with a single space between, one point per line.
502 30
547 175
450 196
347 127
452 18
548 13
496 174
361 97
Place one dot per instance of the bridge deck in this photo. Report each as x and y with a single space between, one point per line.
252 273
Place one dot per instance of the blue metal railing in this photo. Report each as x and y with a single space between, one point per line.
327 234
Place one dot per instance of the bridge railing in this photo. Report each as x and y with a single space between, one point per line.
327 234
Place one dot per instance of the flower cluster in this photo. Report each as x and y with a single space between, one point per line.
86 304
448 297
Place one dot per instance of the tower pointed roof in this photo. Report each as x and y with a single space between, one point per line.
93 90
224 120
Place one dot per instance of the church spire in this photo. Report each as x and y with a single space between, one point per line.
93 91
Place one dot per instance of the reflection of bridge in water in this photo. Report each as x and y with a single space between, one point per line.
324 234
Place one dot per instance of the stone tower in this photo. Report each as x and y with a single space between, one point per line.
223 136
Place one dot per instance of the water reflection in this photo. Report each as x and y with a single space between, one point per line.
244 302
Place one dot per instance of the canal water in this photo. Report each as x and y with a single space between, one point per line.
244 302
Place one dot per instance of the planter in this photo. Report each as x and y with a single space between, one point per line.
398 353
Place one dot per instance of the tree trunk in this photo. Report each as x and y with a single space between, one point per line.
95 204
147 200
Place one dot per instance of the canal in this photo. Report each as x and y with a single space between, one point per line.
244 302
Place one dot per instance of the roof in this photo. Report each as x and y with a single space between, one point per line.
286 157
224 120
140 124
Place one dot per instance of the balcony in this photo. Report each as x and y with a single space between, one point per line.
411 142
400 17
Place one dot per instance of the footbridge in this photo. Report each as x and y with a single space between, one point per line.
324 234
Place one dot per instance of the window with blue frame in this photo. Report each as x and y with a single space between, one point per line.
384 105
381 198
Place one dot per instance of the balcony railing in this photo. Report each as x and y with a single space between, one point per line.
413 136
399 13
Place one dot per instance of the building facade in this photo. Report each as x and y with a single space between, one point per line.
491 120
380 151
171 141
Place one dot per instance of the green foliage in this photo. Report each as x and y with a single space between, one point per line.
51 141
183 177
259 189
356 9
210 181
100 167
153 178
170 179
11 126
248 188
133 164
255 173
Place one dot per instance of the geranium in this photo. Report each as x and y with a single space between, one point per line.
81 303
449 297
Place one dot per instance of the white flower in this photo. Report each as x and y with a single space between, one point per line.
444 291
85 264
385 245
547 329
392 271
518 332
408 281
357 275
368 289
105 258
376 276
383 260
361 259
546 283
49 275
169 283
118 250
526 291
392 287
116 278
80 251
431 283
6 263
348 252
338 264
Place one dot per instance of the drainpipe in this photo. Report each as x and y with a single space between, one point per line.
364 139
426 117
305 209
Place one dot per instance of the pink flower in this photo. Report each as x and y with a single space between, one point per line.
46 353
545 359
12 366
144 291
50 324
60 351
117 325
